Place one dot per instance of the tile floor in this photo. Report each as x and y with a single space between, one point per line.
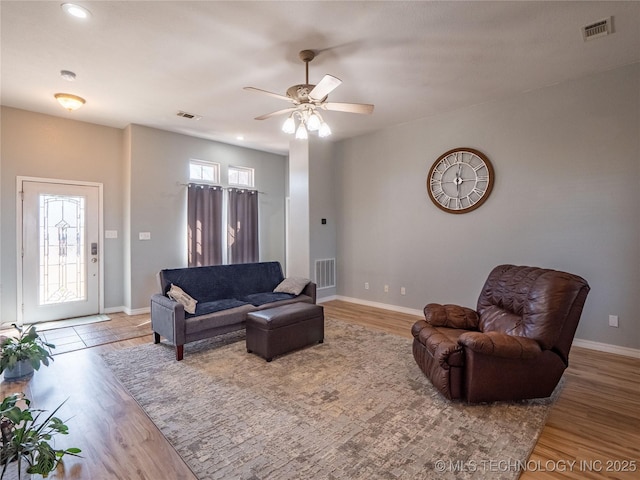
119 327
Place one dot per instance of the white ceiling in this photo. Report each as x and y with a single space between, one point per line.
141 62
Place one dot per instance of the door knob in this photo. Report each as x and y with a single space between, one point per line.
94 260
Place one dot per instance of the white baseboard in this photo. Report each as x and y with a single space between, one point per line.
384 306
127 310
326 299
601 347
114 310
137 311
606 347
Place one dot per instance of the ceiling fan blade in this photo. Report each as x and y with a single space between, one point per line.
271 94
273 114
327 85
363 108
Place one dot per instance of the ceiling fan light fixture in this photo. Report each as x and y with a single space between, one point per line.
69 101
308 99
324 130
301 132
289 125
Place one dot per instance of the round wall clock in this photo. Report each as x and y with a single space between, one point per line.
460 180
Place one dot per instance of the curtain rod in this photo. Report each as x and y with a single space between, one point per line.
222 187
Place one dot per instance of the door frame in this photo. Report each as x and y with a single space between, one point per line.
19 246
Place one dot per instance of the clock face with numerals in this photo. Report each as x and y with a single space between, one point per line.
460 180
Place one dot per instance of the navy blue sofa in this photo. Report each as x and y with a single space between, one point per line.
225 294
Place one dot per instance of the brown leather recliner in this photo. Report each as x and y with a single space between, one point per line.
515 345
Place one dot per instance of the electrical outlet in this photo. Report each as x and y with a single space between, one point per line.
403 291
386 289
613 321
366 285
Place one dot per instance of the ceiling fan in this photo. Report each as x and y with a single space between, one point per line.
307 100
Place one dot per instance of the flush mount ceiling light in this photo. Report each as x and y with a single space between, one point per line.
75 10
69 101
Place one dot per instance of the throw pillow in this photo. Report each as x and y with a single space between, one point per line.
180 296
292 285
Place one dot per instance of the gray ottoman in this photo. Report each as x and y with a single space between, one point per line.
282 329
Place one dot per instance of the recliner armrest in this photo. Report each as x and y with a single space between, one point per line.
500 345
451 316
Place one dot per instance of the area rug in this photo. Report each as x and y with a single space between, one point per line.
355 407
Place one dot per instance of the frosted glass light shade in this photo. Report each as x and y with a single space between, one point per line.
70 102
289 125
324 130
313 123
301 133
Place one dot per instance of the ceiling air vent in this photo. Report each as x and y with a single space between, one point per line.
597 29
190 116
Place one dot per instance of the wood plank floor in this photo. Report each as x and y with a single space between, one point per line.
595 422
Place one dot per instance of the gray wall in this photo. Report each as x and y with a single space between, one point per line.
44 146
159 170
141 170
312 198
567 163
322 204
299 241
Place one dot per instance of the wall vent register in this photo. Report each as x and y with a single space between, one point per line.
326 273
597 29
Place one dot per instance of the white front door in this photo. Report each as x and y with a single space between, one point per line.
60 250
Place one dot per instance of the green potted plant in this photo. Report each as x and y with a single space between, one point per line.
24 440
22 355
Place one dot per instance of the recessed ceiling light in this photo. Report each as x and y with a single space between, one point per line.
75 10
239 137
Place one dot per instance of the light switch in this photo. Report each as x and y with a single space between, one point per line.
110 234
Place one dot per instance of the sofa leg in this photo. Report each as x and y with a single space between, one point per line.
156 337
179 352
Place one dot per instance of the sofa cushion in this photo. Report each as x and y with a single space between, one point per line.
500 345
292 285
204 308
258 299
452 316
528 301
180 296
496 319
219 282
196 325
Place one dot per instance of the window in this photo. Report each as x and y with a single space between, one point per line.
241 176
222 221
205 172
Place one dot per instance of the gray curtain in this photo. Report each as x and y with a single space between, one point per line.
204 220
242 227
